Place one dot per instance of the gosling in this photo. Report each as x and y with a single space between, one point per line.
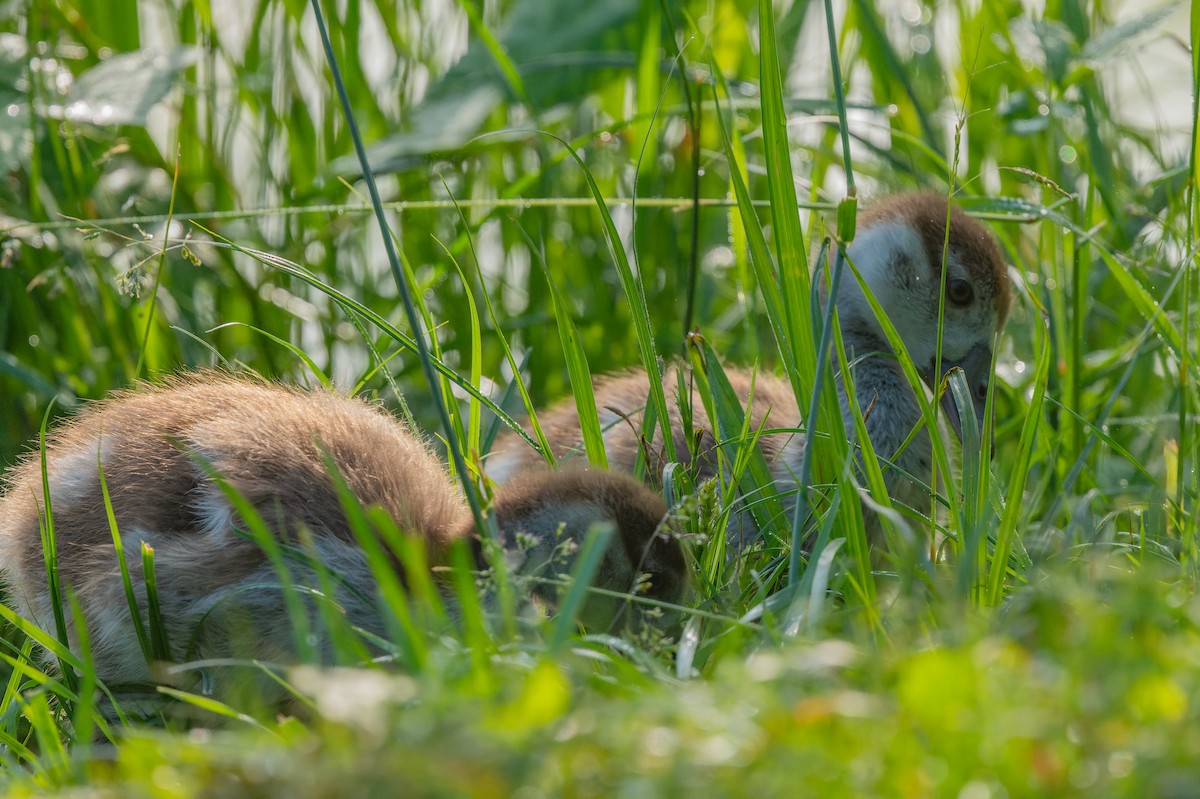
167 451
899 252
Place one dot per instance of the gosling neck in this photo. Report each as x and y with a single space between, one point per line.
887 402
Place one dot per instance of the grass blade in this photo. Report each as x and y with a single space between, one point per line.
587 563
1006 532
635 296
160 646
730 422
210 705
135 612
50 552
410 310
579 373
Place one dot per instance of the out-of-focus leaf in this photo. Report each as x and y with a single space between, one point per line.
535 30
1046 44
566 45
16 139
1116 41
112 23
12 49
438 126
1195 170
11 366
1058 47
123 89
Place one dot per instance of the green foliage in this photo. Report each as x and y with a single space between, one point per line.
178 188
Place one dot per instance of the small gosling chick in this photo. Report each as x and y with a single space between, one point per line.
160 448
899 252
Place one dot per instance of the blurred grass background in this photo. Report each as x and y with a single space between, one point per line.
1068 125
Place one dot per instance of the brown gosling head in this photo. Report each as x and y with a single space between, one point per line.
545 516
900 251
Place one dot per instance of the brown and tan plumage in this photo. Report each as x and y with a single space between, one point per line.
160 447
899 252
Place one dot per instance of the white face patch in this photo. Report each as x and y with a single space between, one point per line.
892 261
896 267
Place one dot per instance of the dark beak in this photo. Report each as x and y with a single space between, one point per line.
977 369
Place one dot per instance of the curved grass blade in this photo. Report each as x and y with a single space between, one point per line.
731 423
473 421
83 716
50 552
1006 532
322 378
160 645
402 284
135 613
972 553
512 76
352 305
790 249
635 295
67 659
578 371
587 563
543 445
213 706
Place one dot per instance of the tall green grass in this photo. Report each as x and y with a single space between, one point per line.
622 172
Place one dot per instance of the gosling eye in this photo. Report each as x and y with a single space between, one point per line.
959 291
